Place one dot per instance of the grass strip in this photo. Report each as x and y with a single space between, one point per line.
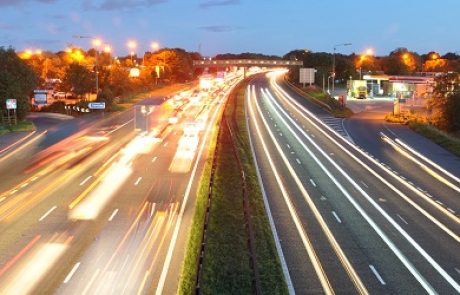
445 140
272 278
322 99
226 268
22 126
189 267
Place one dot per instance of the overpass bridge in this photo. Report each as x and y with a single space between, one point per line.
246 63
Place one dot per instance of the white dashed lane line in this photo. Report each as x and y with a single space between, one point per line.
113 214
337 217
377 275
86 180
138 180
71 273
47 213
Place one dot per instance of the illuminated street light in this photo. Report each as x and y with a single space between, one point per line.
96 43
155 45
107 49
132 45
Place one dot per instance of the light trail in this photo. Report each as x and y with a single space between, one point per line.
403 233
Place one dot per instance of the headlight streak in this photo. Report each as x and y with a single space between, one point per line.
403 259
405 153
443 210
322 276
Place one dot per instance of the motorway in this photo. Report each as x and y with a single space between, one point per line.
355 212
104 210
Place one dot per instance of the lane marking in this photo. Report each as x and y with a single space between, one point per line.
403 220
370 221
298 161
312 182
457 270
154 159
165 144
2 199
113 214
451 211
377 274
72 272
363 183
34 178
47 213
281 134
13 192
24 185
337 217
86 180
288 146
138 180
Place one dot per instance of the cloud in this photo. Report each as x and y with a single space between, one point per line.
217 28
214 3
111 5
19 2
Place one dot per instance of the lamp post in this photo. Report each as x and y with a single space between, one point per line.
96 43
333 63
132 46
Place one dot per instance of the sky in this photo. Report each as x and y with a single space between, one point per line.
233 26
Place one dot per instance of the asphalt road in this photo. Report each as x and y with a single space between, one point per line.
105 210
347 222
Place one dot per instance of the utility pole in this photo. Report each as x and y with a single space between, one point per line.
96 43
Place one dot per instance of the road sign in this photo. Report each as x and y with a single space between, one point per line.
97 105
307 75
11 104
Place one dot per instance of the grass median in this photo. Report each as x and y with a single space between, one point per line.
21 126
226 268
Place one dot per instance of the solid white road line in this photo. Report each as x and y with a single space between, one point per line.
47 213
72 272
113 214
138 180
398 253
279 249
363 213
333 242
377 275
86 180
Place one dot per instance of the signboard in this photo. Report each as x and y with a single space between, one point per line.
307 75
40 97
11 104
96 105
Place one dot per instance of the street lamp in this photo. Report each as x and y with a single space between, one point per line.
96 43
132 46
333 63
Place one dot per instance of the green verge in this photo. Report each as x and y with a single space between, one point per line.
447 141
320 98
22 126
226 265
189 267
269 266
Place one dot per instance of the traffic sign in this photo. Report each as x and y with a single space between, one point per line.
97 105
11 104
307 75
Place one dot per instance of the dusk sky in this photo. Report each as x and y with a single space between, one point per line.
220 26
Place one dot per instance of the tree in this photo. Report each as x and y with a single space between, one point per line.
106 95
444 106
17 81
78 79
